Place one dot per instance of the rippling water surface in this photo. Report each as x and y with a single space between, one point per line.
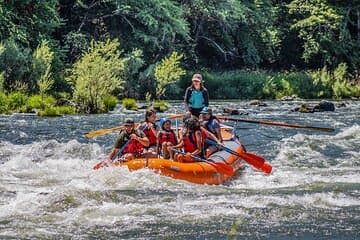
48 189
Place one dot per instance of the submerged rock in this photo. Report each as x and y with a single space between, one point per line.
257 103
320 107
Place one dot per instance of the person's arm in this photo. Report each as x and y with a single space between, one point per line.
154 128
158 144
119 142
143 139
217 130
210 135
218 134
180 142
113 154
186 99
206 97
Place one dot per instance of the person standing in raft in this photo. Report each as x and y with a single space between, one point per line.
196 96
134 148
166 138
211 124
150 129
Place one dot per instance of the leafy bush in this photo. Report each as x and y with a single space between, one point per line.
110 102
97 74
3 103
17 101
35 102
49 112
160 106
129 103
65 110
56 111
38 102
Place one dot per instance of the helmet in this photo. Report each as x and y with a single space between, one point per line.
163 120
206 110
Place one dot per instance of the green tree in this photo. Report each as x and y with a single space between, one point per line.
27 22
97 74
323 27
166 72
42 63
15 63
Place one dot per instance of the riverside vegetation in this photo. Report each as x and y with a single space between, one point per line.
113 50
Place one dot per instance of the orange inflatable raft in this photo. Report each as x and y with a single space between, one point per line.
214 171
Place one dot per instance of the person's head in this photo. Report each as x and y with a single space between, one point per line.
129 125
193 124
165 124
150 115
197 81
206 113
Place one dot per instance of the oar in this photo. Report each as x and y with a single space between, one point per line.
101 132
103 163
282 124
221 167
254 160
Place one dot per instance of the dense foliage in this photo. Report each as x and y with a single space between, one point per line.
245 49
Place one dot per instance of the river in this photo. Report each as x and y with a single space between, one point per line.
48 189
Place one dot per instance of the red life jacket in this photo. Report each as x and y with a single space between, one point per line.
150 135
167 136
190 141
134 147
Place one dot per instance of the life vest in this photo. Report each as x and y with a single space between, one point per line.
134 146
198 100
150 135
190 141
209 125
167 136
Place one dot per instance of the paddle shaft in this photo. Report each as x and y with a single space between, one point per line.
254 160
101 132
103 163
282 124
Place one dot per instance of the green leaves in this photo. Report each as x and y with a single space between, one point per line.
42 62
167 72
97 74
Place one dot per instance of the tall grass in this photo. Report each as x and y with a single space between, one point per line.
242 84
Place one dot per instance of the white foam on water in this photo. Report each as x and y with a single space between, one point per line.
56 179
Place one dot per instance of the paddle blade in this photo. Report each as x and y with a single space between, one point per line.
222 168
255 157
266 168
101 132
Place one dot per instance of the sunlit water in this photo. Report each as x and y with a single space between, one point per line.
48 189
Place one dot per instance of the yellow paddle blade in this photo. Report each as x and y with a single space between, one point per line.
101 132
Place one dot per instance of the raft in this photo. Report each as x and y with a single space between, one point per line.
196 172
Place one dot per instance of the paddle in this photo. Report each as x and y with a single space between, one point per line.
282 124
101 132
221 167
103 163
254 160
